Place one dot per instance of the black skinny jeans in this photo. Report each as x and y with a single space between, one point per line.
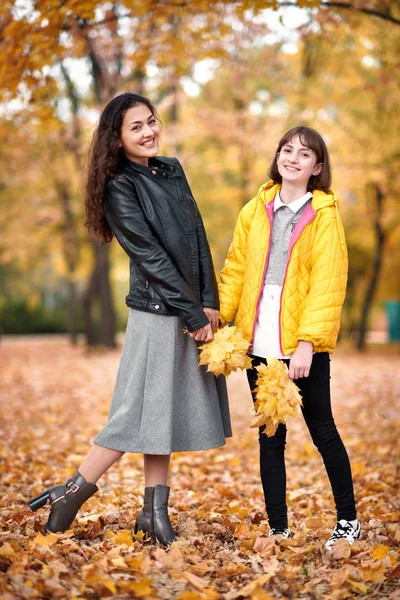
317 412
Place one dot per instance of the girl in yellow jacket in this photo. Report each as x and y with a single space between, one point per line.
284 282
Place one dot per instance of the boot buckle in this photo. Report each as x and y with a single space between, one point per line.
73 487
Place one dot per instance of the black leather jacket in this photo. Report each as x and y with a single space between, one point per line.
153 215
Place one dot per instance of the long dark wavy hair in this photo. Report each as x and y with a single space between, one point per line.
312 140
102 160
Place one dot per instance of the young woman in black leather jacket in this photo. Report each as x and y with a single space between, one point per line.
163 401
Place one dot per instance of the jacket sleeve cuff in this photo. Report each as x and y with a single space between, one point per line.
210 303
197 324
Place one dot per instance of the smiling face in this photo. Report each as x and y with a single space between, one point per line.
139 135
297 163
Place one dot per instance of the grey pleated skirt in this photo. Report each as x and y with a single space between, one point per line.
163 400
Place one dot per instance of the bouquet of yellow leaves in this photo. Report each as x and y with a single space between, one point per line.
226 353
277 397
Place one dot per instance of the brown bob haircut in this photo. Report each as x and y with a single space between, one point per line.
312 140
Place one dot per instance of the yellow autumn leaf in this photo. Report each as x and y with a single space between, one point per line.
123 537
139 536
110 535
226 353
210 594
89 519
94 581
357 586
260 594
134 563
373 572
119 563
188 595
44 540
142 587
379 552
7 550
277 397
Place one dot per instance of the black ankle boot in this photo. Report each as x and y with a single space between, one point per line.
143 520
65 500
153 518
161 525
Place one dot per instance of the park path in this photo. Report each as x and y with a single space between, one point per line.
55 398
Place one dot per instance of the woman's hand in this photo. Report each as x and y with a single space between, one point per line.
301 360
213 316
204 334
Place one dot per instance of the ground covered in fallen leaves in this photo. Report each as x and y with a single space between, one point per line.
55 398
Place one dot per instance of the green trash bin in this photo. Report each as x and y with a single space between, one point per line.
393 317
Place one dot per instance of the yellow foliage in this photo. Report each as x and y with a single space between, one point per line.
379 552
277 397
142 588
373 571
96 582
189 595
123 537
357 586
7 550
44 540
226 353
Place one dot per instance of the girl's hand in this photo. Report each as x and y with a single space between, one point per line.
204 334
301 360
213 316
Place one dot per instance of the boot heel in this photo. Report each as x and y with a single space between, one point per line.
39 501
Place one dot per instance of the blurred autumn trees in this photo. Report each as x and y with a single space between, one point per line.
228 81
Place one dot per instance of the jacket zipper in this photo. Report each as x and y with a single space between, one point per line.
263 277
193 250
308 220
152 534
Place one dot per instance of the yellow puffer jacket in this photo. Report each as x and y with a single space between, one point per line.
316 275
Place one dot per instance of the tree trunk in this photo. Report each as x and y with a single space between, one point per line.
98 308
71 251
378 198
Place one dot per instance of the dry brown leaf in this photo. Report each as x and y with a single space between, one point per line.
341 549
264 545
195 581
216 497
395 572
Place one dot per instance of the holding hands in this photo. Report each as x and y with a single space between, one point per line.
205 334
